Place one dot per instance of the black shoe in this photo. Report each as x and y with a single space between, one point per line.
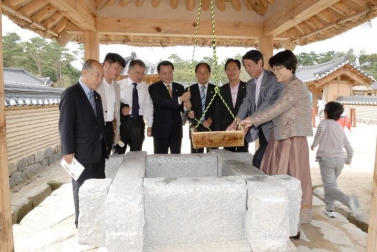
296 237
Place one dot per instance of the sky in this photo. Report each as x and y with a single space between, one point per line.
359 38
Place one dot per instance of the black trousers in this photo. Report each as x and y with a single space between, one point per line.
92 171
132 133
109 131
244 148
257 160
173 141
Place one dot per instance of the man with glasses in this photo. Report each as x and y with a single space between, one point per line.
261 91
136 106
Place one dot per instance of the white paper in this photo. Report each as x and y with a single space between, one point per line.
74 169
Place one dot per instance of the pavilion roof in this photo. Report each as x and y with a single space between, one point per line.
173 22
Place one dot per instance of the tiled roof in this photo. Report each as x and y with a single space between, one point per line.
23 89
319 71
22 77
24 95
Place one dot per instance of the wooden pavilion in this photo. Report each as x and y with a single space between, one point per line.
264 24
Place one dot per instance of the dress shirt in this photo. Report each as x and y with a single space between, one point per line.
205 89
86 89
110 100
258 83
234 92
145 102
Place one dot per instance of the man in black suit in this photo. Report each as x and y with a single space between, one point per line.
233 94
201 95
168 98
81 127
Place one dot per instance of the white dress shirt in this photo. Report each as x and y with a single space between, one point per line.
234 92
110 100
145 102
258 83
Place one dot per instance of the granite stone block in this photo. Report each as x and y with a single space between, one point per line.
194 210
293 186
267 223
181 165
39 156
91 228
48 152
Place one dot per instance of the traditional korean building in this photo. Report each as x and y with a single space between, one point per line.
32 113
334 79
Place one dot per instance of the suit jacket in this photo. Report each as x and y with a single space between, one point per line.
166 110
102 92
197 105
291 113
81 131
222 116
268 93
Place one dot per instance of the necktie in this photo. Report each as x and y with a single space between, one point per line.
169 90
91 100
135 101
203 98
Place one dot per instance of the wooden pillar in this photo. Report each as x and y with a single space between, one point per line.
6 234
372 229
266 47
91 45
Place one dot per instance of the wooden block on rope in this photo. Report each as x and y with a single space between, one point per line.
212 139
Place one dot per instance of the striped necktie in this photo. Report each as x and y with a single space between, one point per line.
203 99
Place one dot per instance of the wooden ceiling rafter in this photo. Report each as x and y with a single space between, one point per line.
123 3
53 21
374 8
174 4
44 14
236 4
32 8
37 26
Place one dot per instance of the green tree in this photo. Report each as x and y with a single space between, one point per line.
13 50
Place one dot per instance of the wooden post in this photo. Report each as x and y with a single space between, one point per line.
91 45
266 47
372 230
6 234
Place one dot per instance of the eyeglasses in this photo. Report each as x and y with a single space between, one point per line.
277 69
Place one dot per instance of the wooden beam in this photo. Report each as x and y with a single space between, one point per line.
266 47
372 229
293 14
220 5
190 4
31 8
91 45
6 234
236 4
174 4
77 13
123 3
101 4
43 14
64 38
166 27
155 3
139 3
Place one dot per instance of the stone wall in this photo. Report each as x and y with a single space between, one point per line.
33 163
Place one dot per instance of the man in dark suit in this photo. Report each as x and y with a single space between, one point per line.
168 98
233 94
201 95
81 127
261 91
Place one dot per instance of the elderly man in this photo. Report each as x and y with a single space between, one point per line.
81 127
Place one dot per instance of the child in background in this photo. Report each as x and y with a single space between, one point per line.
331 157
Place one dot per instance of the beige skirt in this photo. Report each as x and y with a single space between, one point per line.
291 156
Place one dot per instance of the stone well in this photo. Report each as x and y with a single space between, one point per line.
189 202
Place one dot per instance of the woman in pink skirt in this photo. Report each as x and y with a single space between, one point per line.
288 151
